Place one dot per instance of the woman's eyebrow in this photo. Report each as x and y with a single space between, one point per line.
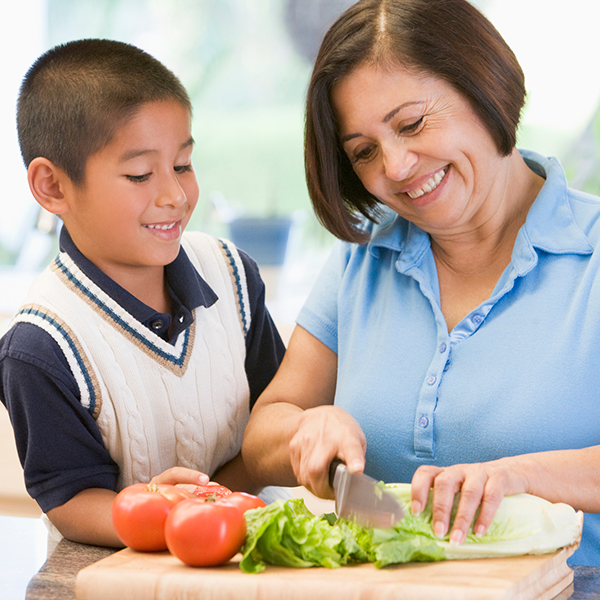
385 119
349 137
396 110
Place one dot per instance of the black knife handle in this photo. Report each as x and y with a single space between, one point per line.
335 463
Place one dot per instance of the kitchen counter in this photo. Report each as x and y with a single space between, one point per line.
29 572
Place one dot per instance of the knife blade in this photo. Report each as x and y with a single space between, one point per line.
363 499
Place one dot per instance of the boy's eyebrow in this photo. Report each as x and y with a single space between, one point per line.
135 153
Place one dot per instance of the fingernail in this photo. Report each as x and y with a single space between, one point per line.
355 467
415 508
438 529
204 479
457 537
479 530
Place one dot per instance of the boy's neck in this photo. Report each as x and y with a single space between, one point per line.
147 284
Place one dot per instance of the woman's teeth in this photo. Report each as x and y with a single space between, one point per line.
429 186
163 227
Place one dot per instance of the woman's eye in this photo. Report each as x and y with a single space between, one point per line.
412 128
138 178
183 168
363 154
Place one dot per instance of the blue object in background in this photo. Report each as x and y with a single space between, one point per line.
264 239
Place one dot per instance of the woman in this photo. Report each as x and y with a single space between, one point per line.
452 337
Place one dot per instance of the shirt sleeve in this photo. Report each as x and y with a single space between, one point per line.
264 347
59 444
319 315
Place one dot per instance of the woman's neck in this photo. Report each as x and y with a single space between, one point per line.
470 263
486 245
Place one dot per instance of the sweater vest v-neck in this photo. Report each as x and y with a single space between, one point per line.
157 405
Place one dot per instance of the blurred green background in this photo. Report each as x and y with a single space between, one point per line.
246 64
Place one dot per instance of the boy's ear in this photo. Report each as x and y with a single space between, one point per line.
49 185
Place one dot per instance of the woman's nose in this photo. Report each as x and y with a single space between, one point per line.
398 162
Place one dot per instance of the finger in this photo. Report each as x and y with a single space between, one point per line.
316 470
471 494
177 475
188 487
493 494
445 487
309 460
353 455
422 482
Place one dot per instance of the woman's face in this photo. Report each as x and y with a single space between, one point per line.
417 145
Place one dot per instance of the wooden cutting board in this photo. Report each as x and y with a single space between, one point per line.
137 576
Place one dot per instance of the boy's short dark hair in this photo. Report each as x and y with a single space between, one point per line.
449 39
75 95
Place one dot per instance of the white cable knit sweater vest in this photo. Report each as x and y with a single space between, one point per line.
157 405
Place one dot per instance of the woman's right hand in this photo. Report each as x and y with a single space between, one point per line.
324 433
295 431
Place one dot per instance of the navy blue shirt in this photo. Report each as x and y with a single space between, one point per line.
58 441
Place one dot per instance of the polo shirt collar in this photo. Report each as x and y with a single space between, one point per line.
187 289
550 225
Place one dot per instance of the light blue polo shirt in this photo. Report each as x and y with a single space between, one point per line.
520 373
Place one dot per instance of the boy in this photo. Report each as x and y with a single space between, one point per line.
139 352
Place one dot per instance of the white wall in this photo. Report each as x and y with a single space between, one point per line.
22 40
557 43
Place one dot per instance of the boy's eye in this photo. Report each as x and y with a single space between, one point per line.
138 178
183 168
411 128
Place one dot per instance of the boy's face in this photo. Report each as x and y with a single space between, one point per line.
138 195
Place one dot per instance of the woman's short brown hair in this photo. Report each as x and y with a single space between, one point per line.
75 95
449 39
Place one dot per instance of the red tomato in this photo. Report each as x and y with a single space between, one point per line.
243 501
211 490
139 513
205 534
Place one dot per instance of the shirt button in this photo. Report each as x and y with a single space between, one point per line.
423 421
446 366
431 379
158 324
477 319
443 348
181 318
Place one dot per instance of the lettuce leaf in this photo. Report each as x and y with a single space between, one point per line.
523 524
288 534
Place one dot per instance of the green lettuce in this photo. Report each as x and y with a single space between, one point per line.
288 534
523 524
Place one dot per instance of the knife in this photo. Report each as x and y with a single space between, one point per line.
363 499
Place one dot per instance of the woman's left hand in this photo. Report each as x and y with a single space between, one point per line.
480 485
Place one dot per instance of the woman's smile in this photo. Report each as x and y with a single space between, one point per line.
430 185
417 146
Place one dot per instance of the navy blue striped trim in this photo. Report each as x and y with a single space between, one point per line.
121 323
238 285
73 347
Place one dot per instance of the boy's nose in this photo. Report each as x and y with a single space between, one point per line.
171 193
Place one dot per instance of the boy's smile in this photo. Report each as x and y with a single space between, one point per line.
138 195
